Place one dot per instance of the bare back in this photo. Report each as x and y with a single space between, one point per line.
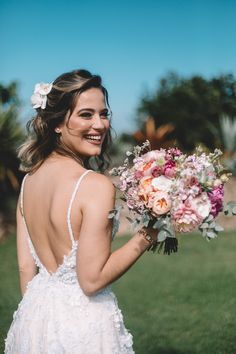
48 197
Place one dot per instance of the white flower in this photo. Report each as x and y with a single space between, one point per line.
162 183
39 98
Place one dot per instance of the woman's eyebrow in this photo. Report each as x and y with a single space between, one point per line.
86 109
92 110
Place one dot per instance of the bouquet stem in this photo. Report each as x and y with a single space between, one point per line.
166 239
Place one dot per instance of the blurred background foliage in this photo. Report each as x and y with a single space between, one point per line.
11 136
187 112
182 112
194 106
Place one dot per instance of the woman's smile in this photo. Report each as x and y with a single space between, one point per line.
85 129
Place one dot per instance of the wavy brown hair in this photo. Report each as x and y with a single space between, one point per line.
61 100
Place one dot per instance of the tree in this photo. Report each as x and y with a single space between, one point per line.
11 135
193 105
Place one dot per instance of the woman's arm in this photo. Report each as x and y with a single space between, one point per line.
96 265
26 265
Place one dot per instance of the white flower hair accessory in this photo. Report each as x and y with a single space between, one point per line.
39 98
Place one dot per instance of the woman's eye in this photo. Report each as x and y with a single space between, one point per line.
105 114
86 115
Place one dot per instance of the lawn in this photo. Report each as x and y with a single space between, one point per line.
179 304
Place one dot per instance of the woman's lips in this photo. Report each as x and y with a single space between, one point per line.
94 139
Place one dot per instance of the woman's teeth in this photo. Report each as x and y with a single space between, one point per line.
94 137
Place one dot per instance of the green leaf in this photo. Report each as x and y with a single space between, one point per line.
170 232
209 218
212 225
158 224
234 210
162 235
204 225
219 228
211 234
231 204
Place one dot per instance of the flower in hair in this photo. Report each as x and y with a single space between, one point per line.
39 98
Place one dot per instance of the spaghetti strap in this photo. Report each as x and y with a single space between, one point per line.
70 205
22 196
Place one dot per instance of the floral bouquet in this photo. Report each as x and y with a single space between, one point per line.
173 192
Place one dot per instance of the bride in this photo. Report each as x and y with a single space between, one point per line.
63 229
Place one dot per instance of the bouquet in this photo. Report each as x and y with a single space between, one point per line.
174 192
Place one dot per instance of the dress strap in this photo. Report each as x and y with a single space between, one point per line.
70 205
22 195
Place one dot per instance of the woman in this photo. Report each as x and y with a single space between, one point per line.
63 229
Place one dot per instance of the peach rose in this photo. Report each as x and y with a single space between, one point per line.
147 168
160 203
145 187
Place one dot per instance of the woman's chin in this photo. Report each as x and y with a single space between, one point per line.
96 151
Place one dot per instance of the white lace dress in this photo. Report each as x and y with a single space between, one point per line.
56 317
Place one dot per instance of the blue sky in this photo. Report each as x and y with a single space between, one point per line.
130 43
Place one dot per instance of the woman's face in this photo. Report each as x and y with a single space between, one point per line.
85 130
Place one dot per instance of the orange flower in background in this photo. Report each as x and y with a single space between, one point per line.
158 137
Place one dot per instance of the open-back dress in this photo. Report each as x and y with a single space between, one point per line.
56 317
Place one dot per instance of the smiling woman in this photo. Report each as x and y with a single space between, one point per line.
63 230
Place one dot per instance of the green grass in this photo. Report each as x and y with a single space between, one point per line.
9 288
179 304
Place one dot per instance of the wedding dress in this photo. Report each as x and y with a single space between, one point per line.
56 317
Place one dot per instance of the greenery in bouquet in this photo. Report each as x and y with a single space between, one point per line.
173 192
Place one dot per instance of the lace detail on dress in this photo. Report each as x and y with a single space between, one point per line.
56 317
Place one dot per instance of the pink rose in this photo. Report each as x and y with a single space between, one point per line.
191 213
186 219
169 169
156 171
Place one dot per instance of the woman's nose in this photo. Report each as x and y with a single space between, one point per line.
98 122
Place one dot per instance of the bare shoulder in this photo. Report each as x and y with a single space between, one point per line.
96 191
98 182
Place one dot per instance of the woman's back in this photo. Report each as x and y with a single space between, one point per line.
50 209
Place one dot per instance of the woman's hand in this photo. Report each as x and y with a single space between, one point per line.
150 235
